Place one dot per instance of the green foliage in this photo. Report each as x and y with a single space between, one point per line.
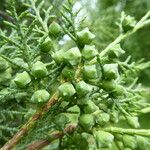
77 92
40 96
104 17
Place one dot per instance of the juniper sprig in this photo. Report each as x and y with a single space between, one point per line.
69 92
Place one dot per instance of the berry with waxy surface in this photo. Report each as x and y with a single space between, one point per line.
39 69
68 72
142 143
40 96
83 88
84 141
66 90
90 72
118 136
73 56
54 29
88 141
89 52
58 56
61 120
102 119
119 90
110 71
103 139
130 141
115 51
22 79
128 23
120 145
47 45
85 37
87 121
83 100
90 107
108 85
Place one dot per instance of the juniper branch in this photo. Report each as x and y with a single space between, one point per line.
122 37
141 132
25 128
56 135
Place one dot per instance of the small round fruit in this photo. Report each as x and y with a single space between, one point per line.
39 69
90 107
68 72
40 96
130 141
104 139
90 72
142 143
22 79
83 100
120 144
58 56
89 52
87 142
85 37
119 90
87 121
110 71
115 51
61 120
47 45
102 119
73 56
108 85
83 88
66 90
54 29
128 23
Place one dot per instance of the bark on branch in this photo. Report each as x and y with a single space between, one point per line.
56 135
24 129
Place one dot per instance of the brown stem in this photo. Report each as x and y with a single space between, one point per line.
24 129
56 135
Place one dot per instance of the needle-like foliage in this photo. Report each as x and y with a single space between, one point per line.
68 94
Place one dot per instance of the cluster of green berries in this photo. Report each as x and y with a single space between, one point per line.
93 75
80 85
84 71
38 70
127 22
